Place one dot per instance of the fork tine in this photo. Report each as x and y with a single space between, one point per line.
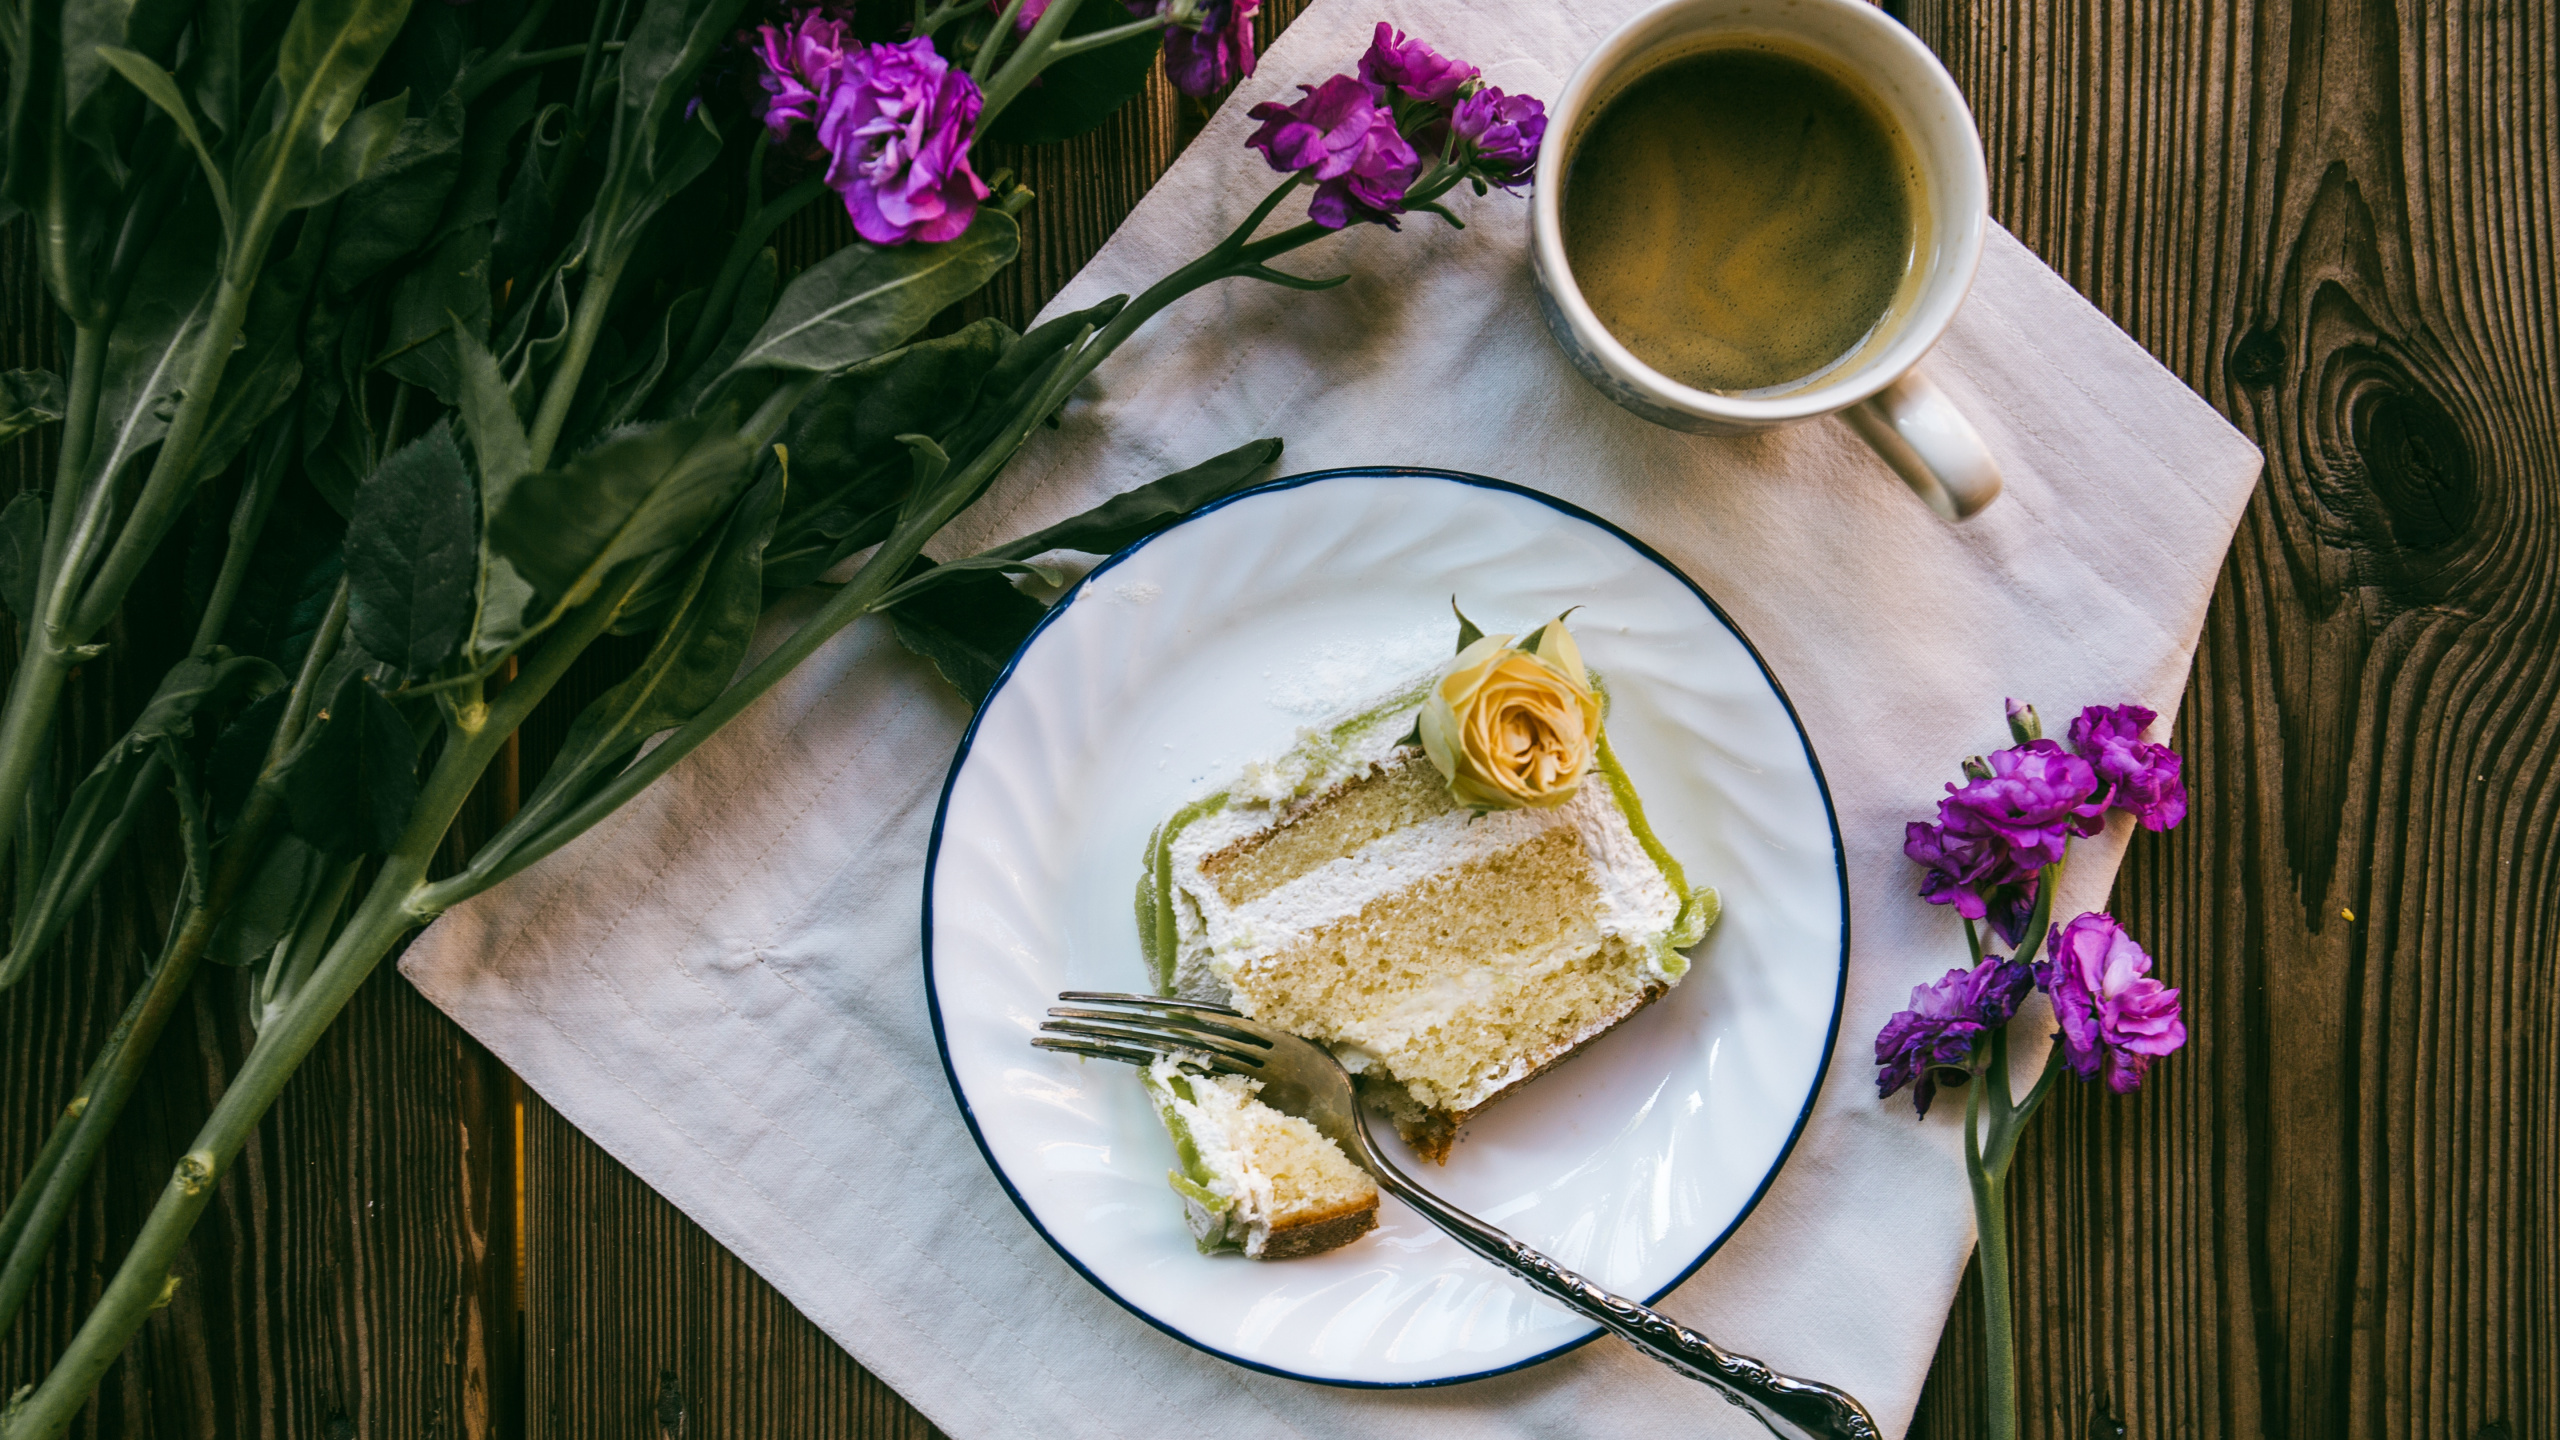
1139 1058
1105 997
1132 1035
1186 1023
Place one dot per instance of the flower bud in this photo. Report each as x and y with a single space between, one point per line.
2023 724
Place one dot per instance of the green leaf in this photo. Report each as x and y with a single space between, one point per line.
267 366
628 397
413 555
293 575
104 808
848 470
1127 518
353 775
668 45
688 665
316 144
393 210
267 907
29 400
103 115
489 417
154 341
238 753
746 317
21 553
1468 631
1077 94
216 62
363 144
101 815
329 50
505 596
643 491
489 156
161 89
866 299
447 294
968 627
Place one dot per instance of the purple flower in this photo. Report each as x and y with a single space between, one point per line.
1504 131
1934 1039
1212 48
1341 136
800 60
2143 777
1422 73
897 127
1995 832
2115 1017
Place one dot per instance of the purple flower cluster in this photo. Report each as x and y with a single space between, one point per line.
1997 832
895 121
1362 138
1340 135
2115 1018
2015 815
1932 1042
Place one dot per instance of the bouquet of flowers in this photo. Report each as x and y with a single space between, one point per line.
454 353
1996 855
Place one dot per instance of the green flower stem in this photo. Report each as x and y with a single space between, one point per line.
510 55
79 424
1068 49
26 724
1029 57
1992 1127
1991 1222
388 911
248 519
927 22
993 45
593 301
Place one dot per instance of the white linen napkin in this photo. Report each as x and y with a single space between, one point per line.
721 984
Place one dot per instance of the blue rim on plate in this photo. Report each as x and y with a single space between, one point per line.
960 758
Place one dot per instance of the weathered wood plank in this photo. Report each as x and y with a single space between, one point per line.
2335 1215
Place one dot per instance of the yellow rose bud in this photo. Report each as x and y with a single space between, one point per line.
1511 728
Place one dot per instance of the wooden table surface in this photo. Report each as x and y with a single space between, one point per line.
2336 1214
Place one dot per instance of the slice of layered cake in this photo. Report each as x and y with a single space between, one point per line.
1251 1178
1427 886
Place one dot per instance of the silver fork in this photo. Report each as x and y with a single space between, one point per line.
1303 1079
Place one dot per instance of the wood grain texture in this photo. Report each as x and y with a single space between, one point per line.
2338 1213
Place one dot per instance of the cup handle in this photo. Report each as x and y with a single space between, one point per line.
1929 443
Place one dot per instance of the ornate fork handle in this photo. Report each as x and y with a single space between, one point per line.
1793 1408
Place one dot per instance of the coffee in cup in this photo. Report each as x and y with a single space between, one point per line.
1743 218
1752 214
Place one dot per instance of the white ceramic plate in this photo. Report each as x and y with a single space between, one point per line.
1212 643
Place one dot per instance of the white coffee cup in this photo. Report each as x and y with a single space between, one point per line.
1880 393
